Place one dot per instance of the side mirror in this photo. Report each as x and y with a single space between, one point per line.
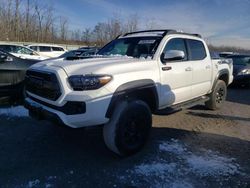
172 55
3 57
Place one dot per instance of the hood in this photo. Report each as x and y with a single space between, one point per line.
101 65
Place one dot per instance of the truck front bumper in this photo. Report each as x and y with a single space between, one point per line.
73 114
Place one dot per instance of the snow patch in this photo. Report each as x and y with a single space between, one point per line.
48 185
173 147
174 164
33 183
155 169
212 165
16 111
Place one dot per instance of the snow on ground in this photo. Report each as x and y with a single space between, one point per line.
156 169
177 166
212 165
33 183
14 111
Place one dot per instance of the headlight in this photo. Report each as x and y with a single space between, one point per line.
88 82
244 72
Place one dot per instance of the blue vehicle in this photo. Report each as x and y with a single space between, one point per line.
241 70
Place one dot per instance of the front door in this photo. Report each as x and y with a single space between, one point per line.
176 76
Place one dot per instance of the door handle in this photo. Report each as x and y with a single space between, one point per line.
166 68
188 69
208 67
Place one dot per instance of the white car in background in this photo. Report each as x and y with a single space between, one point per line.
50 51
21 52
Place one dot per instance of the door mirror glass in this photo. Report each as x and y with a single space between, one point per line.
172 55
3 57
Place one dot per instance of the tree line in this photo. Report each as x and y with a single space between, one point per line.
34 21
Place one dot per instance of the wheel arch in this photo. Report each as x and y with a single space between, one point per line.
222 75
144 90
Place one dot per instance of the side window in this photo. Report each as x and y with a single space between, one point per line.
45 49
33 48
57 49
176 44
197 50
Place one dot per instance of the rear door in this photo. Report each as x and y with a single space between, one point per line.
176 76
45 51
202 67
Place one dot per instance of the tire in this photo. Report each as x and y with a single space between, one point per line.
218 96
129 127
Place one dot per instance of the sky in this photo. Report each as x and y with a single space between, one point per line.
220 22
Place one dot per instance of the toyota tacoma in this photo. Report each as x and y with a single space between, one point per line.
134 76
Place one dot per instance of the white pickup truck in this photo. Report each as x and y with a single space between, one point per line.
133 76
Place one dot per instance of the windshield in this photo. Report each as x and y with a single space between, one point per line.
241 60
137 47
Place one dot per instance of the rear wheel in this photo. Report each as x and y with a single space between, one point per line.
129 128
218 96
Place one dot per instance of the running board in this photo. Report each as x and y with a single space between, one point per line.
181 106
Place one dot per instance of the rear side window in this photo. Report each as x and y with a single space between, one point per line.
196 50
176 44
45 49
33 48
57 49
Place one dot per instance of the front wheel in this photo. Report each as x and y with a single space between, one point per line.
218 96
129 127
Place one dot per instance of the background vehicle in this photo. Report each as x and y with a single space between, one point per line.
49 51
76 54
135 75
80 52
226 54
12 74
241 70
21 51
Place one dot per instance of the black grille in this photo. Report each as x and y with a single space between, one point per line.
42 84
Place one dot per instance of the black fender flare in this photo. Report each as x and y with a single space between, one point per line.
220 73
132 88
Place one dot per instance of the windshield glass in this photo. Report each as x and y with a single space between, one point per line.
137 47
241 60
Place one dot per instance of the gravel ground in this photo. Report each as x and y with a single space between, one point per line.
192 148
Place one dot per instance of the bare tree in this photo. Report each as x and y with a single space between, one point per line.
16 18
132 23
63 28
87 36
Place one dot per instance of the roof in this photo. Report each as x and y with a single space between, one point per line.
49 45
161 33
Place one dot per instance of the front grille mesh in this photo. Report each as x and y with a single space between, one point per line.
43 84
